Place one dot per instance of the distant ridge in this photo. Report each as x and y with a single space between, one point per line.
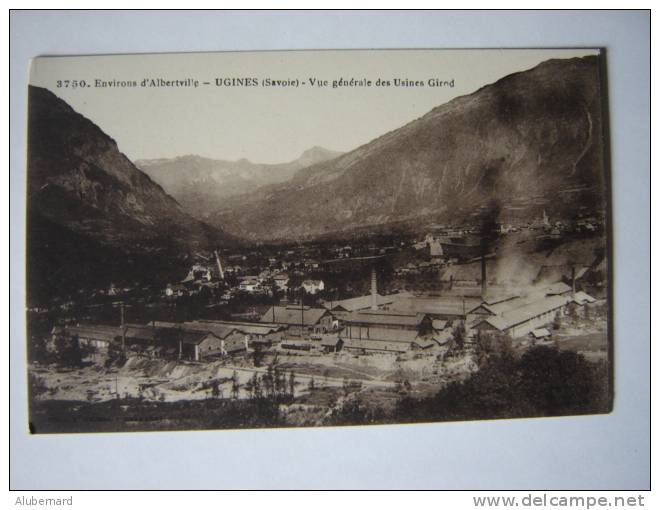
529 142
201 185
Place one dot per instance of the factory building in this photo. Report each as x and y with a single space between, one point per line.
96 337
300 321
358 303
521 321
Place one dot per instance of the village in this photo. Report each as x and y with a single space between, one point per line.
424 310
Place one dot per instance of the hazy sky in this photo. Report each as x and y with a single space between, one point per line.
269 124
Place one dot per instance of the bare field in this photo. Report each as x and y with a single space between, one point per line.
169 381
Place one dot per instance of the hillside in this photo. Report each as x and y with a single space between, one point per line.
201 185
530 141
92 215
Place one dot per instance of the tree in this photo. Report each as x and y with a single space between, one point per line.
115 355
256 386
279 382
37 385
292 384
559 382
249 387
458 337
235 386
311 385
69 352
257 356
493 345
215 389
269 382
345 386
556 323
542 382
38 349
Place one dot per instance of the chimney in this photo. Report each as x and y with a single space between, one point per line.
484 283
217 260
374 289
573 280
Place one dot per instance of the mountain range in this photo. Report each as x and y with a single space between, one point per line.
532 141
527 144
201 185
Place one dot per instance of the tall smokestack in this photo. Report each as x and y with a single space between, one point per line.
573 280
374 289
217 260
484 283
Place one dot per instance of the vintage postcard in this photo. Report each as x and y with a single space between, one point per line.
317 238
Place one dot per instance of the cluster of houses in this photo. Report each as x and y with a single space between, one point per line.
212 276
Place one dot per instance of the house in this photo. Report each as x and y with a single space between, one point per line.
197 345
313 286
300 320
232 340
249 284
281 281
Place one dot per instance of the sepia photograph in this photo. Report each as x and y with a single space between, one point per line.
280 239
